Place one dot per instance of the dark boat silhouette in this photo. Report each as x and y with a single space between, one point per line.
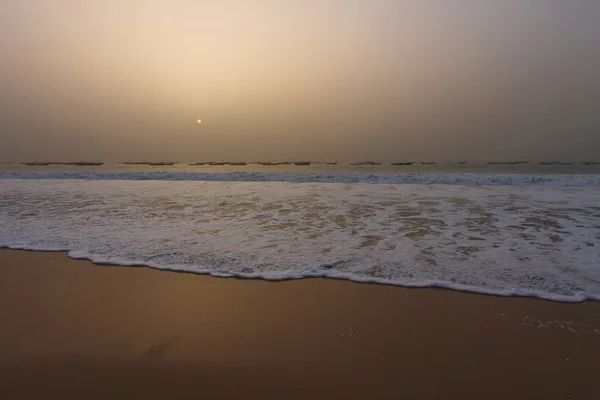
368 162
555 163
589 163
402 163
84 163
36 164
238 163
272 163
331 163
302 162
427 162
506 162
462 162
162 163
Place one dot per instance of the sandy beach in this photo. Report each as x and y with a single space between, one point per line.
72 329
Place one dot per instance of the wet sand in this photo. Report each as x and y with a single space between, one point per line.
72 329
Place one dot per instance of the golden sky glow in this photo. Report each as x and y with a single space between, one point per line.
386 78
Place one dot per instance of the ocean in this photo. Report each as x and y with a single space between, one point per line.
509 230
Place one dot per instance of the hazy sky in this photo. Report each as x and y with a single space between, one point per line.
344 79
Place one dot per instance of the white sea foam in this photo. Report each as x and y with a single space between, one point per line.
504 240
478 179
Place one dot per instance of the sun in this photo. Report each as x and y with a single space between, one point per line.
199 121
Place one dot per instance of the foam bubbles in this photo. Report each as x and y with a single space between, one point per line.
504 240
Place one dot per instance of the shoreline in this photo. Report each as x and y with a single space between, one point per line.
73 329
438 285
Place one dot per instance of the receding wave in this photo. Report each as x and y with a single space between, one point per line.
320 177
503 240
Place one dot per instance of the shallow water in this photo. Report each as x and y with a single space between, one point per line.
502 239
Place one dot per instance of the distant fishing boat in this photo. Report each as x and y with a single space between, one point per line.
402 163
238 163
272 163
199 163
162 163
589 163
506 162
331 163
302 162
36 164
83 163
555 163
427 162
368 162
135 162
217 163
